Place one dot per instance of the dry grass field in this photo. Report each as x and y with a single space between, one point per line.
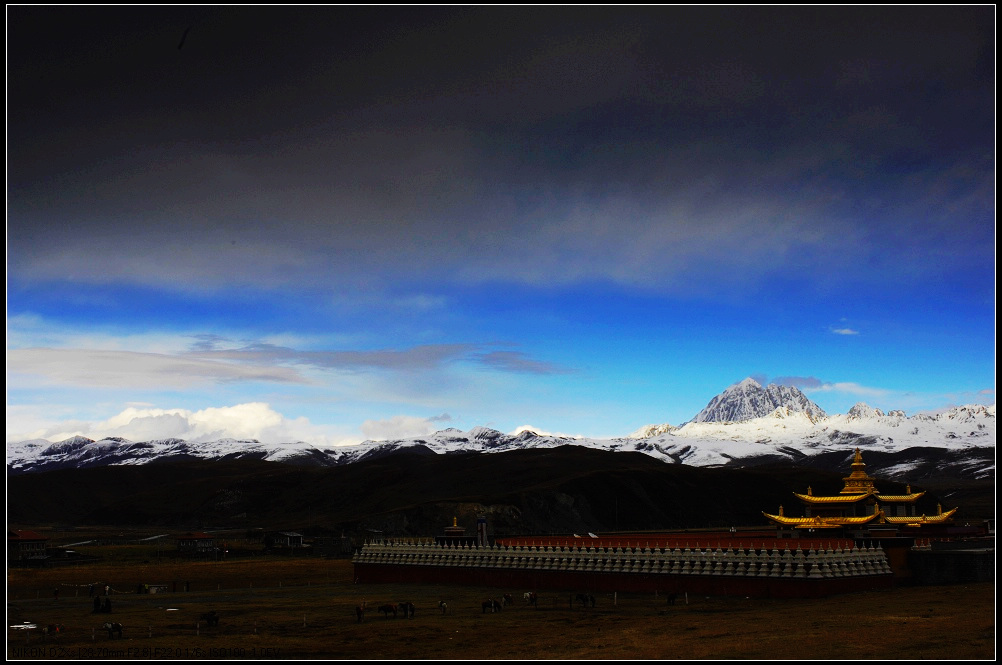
278 608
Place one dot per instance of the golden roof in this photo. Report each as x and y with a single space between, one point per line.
858 487
898 498
819 522
846 498
940 518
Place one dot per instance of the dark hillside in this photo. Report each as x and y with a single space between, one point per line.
557 490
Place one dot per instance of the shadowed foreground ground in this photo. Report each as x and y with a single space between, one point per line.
305 608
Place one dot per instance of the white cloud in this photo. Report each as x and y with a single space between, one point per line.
399 427
845 331
252 420
850 388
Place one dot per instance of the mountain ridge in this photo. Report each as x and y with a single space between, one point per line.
783 434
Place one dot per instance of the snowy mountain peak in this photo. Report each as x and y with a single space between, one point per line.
863 410
748 399
648 431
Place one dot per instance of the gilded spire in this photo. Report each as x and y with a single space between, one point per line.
857 482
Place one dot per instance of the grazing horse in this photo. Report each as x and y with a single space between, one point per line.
210 618
387 609
490 604
407 609
113 628
586 598
442 606
360 611
507 599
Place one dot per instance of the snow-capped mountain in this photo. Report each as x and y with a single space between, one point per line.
794 429
748 400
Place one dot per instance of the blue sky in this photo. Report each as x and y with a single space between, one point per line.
331 224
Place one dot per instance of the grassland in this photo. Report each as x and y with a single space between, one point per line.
274 607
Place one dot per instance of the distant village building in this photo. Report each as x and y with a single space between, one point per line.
23 545
283 540
860 505
195 543
331 544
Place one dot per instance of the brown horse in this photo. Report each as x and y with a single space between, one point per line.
407 609
387 609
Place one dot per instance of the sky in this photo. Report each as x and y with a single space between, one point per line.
331 224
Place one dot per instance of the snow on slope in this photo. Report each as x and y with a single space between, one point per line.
748 400
958 428
785 431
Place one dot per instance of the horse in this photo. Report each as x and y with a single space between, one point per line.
360 611
507 599
407 609
585 599
671 598
113 628
386 609
443 606
210 618
530 597
490 604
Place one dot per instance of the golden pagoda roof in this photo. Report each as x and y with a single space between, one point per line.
840 498
819 522
941 518
853 498
898 498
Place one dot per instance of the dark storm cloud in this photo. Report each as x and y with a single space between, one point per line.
516 361
665 147
414 359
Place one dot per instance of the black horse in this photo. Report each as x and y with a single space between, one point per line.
490 604
387 609
113 628
586 599
360 611
407 609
